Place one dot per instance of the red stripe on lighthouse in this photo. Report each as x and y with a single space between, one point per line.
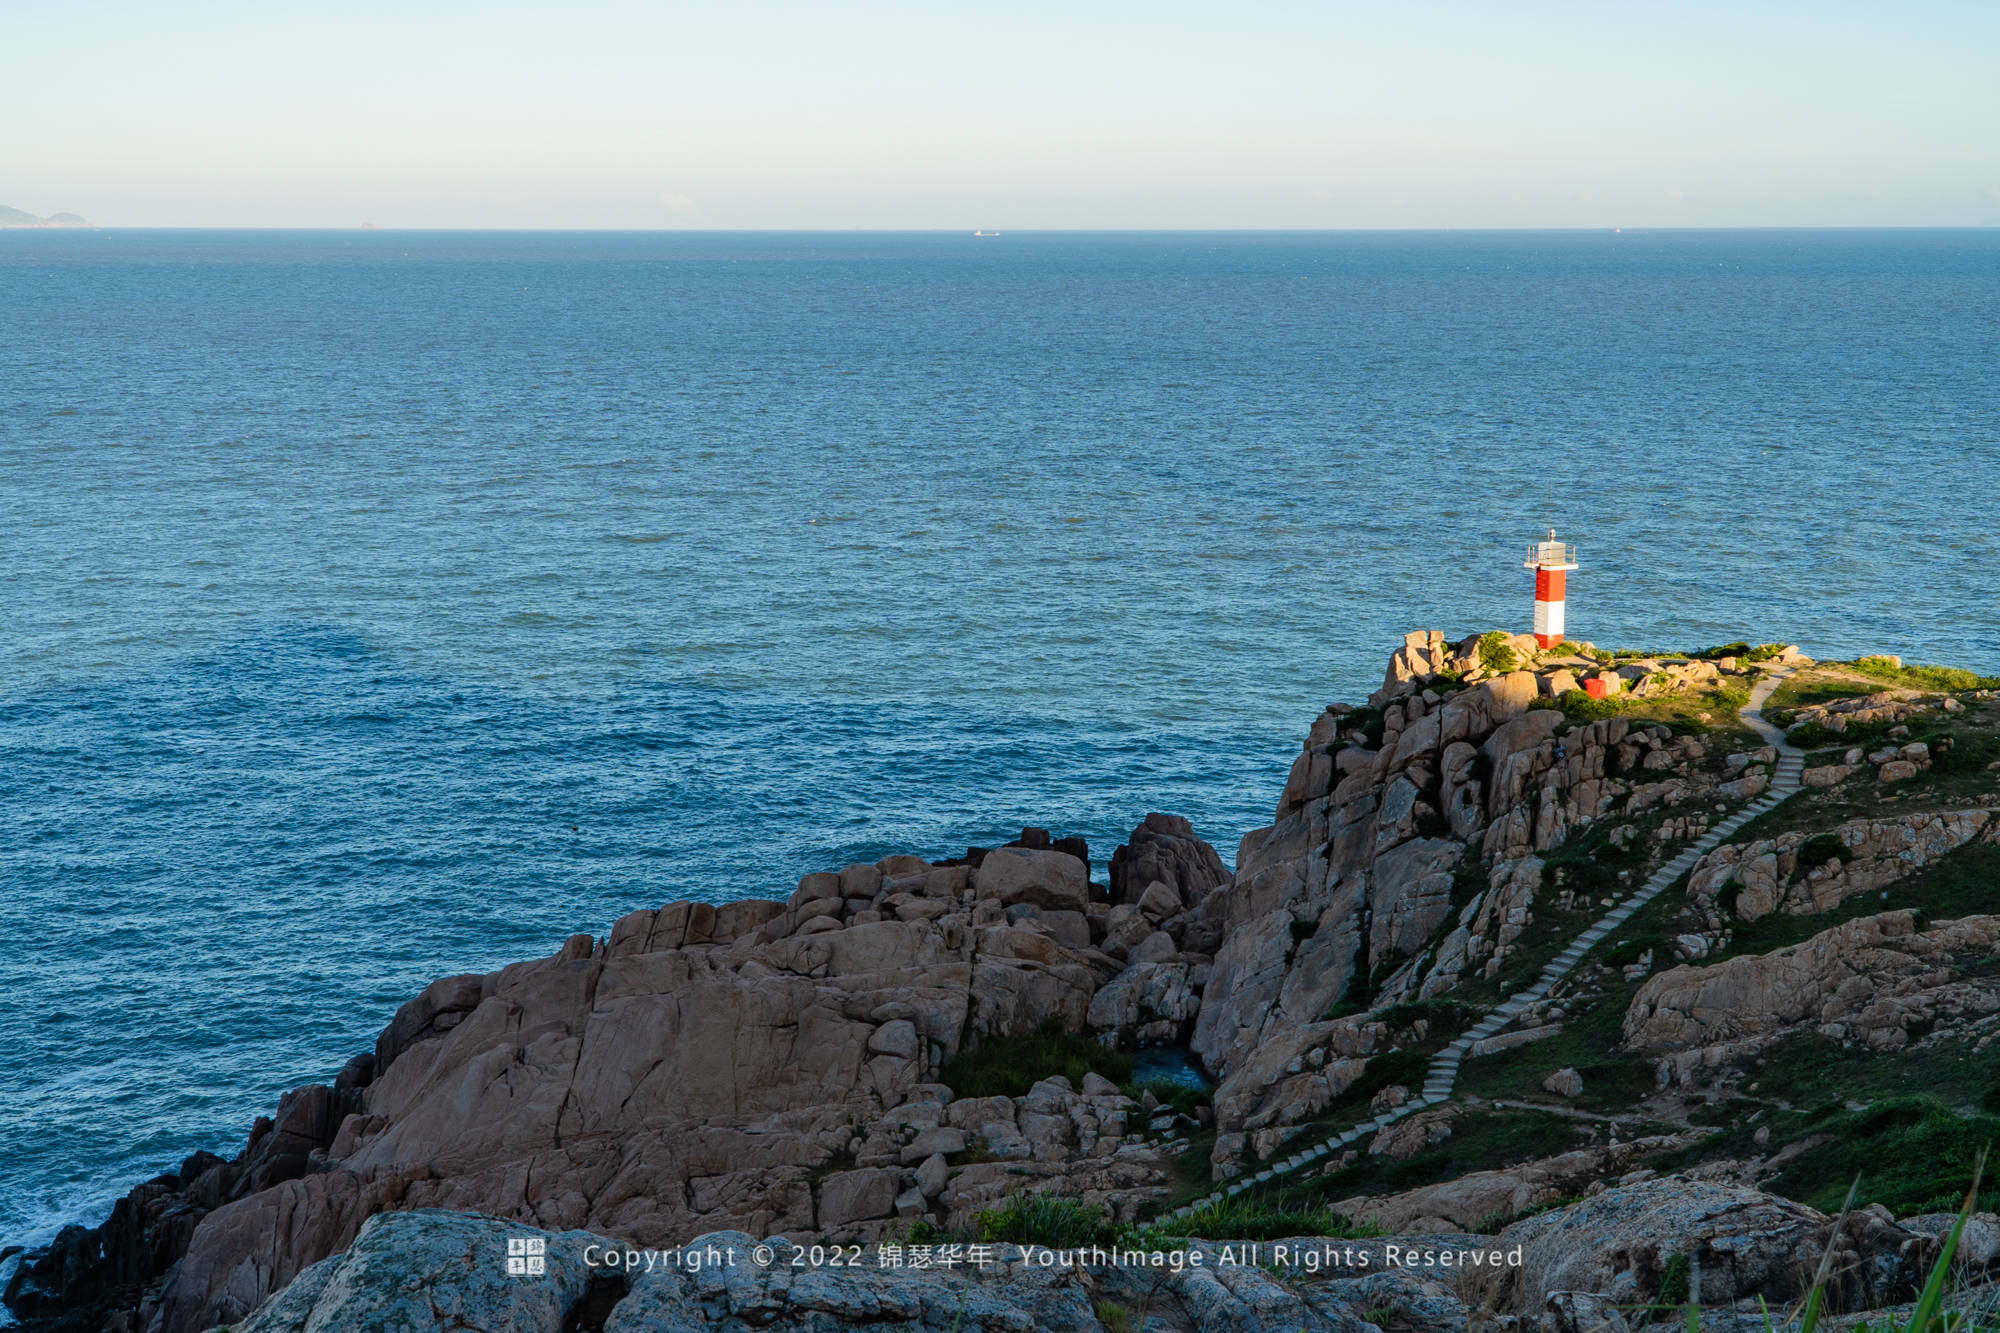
1548 585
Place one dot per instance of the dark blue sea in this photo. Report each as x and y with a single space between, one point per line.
382 605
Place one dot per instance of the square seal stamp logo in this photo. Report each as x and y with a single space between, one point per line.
527 1256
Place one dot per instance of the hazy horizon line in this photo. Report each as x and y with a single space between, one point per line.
1617 229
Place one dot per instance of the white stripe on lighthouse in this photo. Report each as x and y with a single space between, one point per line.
1548 619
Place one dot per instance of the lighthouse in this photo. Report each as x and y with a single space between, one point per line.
1550 560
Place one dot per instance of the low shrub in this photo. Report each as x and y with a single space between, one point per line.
1047 1219
1441 1015
1815 736
1496 651
1383 1071
1182 1097
1632 950
1972 752
1009 1066
1579 870
1239 1219
1819 849
1578 706
1369 720
1468 879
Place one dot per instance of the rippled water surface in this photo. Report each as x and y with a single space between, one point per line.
382 605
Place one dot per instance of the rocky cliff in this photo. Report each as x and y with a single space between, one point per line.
916 1048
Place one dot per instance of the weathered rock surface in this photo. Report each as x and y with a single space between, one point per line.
1016 875
433 1269
1165 850
1362 883
1870 980
1478 1200
761 1065
436 1272
1771 874
1749 1244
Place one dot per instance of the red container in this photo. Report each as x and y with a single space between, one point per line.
1594 688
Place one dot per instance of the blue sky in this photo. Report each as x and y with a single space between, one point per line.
1020 115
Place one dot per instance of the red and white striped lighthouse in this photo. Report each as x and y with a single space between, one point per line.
1550 560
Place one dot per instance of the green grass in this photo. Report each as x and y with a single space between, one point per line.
1612 1080
1047 1219
1683 712
1918 677
1009 1066
1235 1219
1115 1317
1674 1275
1406 1066
1817 735
1912 1153
1949 1070
1807 688
1192 1172
1481 1140
1958 775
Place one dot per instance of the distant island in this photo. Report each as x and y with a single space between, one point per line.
14 217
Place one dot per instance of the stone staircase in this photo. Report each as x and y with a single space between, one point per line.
1443 1072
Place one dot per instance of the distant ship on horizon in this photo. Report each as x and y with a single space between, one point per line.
985 233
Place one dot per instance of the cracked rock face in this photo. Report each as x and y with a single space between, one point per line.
1358 884
1769 874
1745 1243
1870 979
767 1066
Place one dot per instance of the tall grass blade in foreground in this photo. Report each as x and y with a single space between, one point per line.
1931 1301
1926 1316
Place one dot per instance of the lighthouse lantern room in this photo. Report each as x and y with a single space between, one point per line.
1550 560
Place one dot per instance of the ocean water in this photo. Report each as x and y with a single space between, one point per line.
385 605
